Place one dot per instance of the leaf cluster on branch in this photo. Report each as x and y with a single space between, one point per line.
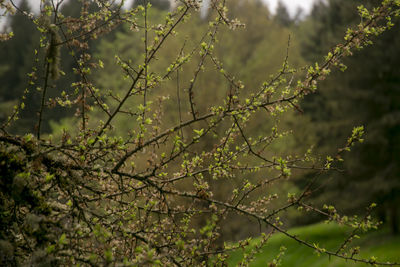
150 197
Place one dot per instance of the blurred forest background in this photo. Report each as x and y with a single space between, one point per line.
368 93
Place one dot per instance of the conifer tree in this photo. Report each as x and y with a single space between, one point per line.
282 15
365 94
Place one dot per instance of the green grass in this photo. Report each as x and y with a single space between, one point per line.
380 244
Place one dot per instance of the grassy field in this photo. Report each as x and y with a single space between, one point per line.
380 244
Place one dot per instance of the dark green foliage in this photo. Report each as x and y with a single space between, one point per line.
282 15
16 55
23 210
367 94
17 59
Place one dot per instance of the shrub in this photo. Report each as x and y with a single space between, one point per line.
151 196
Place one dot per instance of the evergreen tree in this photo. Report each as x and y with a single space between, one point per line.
14 54
282 15
367 94
17 60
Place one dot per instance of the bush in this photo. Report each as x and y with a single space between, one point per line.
152 195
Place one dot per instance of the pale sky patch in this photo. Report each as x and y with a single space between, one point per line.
292 5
